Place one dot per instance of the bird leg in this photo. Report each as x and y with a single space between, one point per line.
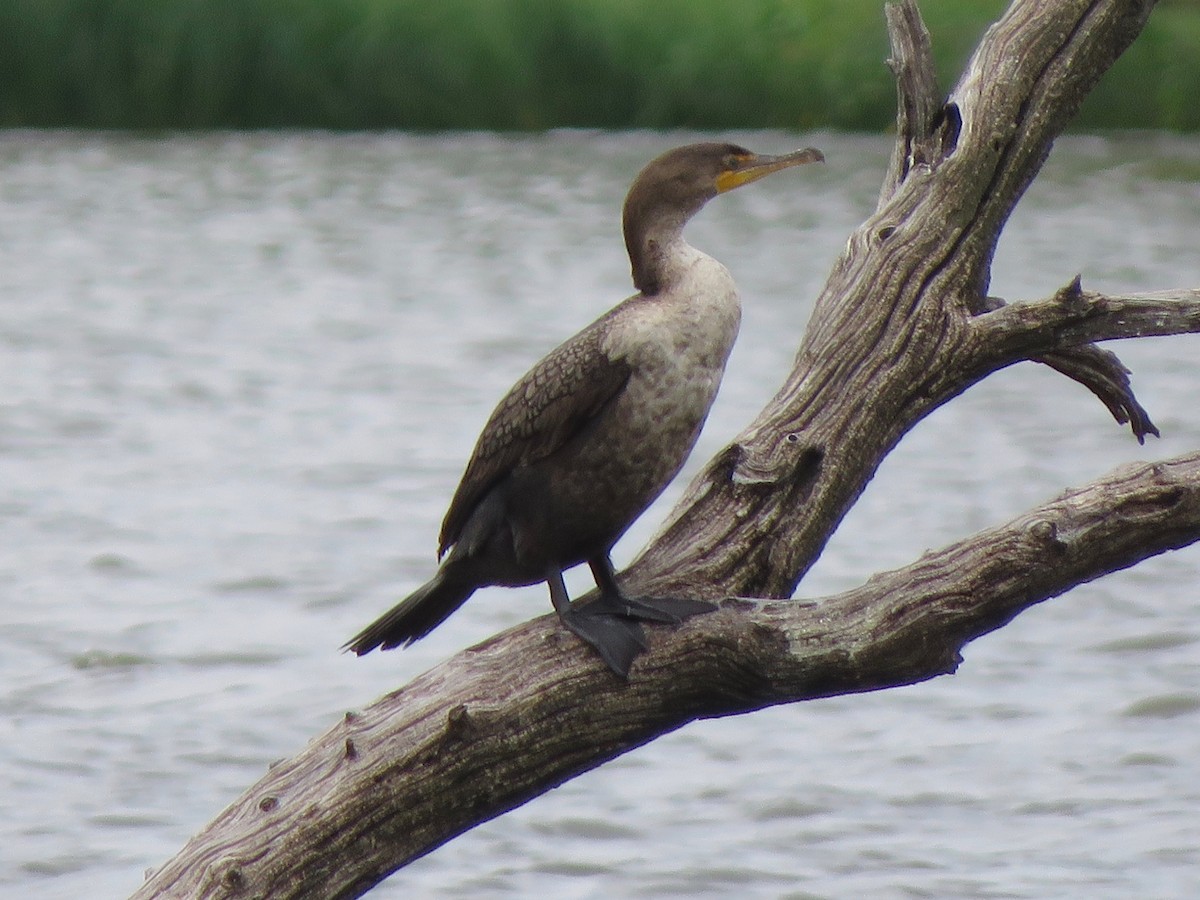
618 639
614 602
609 623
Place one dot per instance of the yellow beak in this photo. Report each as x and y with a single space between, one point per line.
753 167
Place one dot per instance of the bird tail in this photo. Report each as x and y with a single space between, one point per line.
413 618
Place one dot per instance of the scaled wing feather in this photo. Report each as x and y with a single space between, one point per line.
552 403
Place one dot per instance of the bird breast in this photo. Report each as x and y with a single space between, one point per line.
676 344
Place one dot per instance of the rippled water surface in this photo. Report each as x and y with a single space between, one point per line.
240 376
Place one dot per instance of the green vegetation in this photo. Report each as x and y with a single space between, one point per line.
516 64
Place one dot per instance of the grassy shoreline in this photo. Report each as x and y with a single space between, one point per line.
518 64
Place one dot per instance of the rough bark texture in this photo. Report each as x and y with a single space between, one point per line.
903 325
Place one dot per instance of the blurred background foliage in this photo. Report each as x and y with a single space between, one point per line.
518 64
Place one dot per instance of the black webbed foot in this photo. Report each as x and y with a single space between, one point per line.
618 640
610 623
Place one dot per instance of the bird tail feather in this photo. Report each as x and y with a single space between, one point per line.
414 617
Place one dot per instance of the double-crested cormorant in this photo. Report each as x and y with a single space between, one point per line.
593 433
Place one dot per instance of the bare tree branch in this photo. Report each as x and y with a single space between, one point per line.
1102 373
1059 332
917 98
1074 316
453 748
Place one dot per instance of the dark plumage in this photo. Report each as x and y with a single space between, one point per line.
586 440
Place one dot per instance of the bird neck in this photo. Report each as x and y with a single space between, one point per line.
656 250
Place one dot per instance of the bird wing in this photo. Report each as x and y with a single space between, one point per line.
552 403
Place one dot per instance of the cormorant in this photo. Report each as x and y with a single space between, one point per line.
597 429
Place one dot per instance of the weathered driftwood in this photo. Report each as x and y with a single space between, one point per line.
904 324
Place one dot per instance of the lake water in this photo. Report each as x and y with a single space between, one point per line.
239 377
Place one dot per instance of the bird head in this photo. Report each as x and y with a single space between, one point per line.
686 178
675 186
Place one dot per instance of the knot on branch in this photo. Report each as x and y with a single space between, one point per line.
1045 533
460 724
231 877
1075 304
1070 294
785 459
